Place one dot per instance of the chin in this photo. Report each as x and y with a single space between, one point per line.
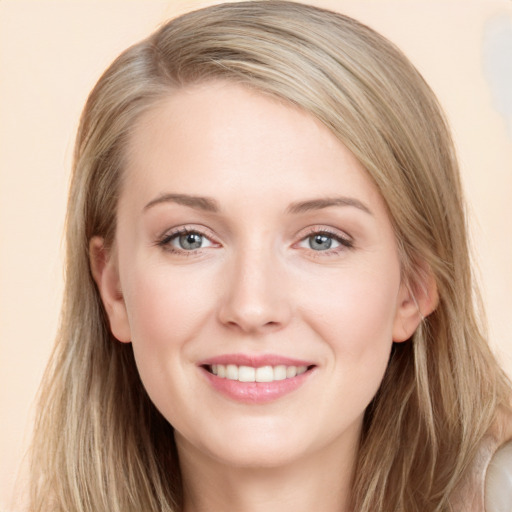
257 447
259 456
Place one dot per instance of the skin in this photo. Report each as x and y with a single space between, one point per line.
256 286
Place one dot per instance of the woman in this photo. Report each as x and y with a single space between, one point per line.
268 294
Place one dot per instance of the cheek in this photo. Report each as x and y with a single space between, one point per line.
165 313
356 319
361 340
359 305
163 306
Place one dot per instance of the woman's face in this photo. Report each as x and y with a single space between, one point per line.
252 246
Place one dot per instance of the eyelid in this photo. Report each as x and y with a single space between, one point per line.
344 239
170 234
328 230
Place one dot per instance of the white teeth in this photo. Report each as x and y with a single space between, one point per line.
264 374
246 374
280 372
291 371
260 374
231 371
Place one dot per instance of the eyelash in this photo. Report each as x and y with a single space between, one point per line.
344 241
165 241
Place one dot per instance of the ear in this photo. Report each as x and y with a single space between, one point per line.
105 272
417 298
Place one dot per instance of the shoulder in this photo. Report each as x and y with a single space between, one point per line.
498 481
487 484
498 474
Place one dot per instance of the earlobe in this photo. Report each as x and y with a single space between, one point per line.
416 301
105 272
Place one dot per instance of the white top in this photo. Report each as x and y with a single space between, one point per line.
498 481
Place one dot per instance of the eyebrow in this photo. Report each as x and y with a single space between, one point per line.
319 204
210 205
199 203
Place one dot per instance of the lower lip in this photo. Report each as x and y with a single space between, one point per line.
256 392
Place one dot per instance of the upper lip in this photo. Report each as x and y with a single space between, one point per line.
255 360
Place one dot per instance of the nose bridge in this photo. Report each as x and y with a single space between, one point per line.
256 293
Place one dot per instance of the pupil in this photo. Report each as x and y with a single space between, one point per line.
191 241
320 242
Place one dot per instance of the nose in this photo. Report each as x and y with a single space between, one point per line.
255 298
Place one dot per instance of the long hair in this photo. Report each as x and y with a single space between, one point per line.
100 445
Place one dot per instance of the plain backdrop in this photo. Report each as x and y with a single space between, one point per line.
51 54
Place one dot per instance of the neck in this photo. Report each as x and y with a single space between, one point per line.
321 482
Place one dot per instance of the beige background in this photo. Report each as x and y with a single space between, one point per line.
52 52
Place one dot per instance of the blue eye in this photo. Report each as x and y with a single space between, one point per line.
186 241
321 242
190 241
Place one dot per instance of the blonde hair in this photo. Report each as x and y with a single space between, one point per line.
100 444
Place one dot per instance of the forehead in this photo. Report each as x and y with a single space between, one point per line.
203 136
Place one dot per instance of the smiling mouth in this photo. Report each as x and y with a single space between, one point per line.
256 374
